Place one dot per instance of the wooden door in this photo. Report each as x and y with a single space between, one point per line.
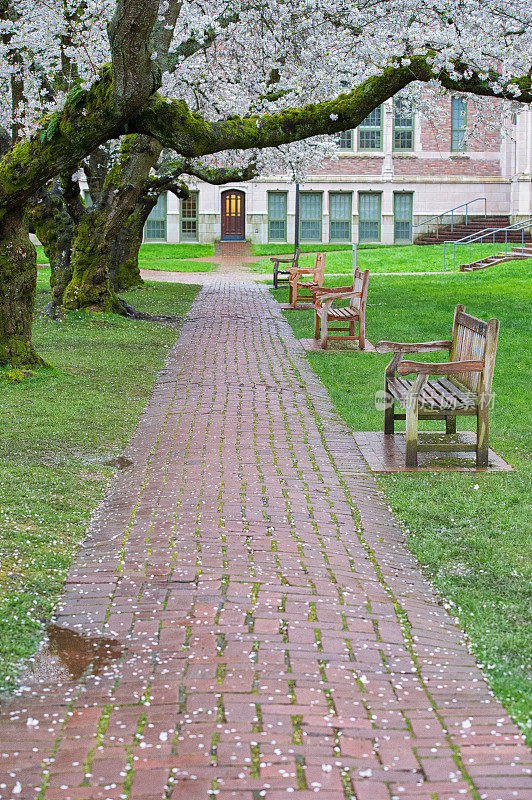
233 216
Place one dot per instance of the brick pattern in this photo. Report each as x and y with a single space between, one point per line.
350 165
271 635
445 166
484 135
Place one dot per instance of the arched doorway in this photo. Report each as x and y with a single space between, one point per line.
233 216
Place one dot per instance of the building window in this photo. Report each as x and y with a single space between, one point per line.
370 131
369 217
189 218
310 217
458 124
277 216
340 217
402 217
345 140
403 125
155 228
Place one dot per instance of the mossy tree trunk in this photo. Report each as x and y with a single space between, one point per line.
99 226
54 227
89 286
124 271
18 276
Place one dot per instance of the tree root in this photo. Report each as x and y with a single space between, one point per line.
133 313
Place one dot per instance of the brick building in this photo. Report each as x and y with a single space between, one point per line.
394 171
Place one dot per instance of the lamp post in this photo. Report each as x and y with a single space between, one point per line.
296 220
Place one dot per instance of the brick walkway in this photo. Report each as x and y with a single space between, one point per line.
257 625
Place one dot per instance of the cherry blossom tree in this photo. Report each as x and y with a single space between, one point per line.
202 78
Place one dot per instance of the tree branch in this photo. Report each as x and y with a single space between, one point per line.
193 45
72 197
96 167
135 72
68 136
176 127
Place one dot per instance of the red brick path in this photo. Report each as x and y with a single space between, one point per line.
271 635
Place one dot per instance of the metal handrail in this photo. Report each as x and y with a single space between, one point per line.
480 236
451 212
473 235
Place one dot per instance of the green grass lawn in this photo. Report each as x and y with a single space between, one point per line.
381 258
272 249
57 428
174 265
470 532
166 257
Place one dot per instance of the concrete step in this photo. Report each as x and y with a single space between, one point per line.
512 237
491 261
474 225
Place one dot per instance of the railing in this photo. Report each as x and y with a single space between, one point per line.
450 211
479 236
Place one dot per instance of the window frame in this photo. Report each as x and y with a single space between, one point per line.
406 129
378 195
182 238
351 147
458 131
285 194
395 196
373 128
311 219
158 219
349 218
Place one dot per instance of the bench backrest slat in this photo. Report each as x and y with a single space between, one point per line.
319 269
360 284
474 340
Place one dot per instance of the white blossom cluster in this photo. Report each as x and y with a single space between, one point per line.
239 58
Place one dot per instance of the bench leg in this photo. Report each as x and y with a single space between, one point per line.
316 325
389 410
450 424
361 333
411 433
482 437
324 333
292 296
275 279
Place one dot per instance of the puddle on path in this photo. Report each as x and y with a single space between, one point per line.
121 462
67 654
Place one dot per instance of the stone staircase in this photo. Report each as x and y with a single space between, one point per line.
516 254
474 225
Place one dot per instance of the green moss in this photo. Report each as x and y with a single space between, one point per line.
128 275
15 375
18 351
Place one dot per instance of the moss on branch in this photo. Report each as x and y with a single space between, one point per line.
175 126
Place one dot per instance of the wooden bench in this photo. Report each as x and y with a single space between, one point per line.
293 261
464 387
355 312
305 287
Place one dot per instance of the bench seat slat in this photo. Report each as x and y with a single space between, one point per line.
463 394
342 313
433 395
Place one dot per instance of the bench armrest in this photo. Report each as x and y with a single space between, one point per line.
416 347
444 368
282 260
332 290
328 299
